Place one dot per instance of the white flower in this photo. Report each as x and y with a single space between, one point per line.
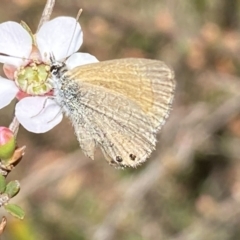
29 79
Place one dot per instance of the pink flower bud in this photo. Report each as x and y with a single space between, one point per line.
7 143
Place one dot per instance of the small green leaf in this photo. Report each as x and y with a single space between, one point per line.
15 210
2 184
12 188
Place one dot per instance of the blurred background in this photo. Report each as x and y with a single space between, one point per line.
190 188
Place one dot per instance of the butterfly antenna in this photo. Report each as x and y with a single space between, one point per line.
77 18
12 56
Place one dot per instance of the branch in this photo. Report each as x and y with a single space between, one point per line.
46 13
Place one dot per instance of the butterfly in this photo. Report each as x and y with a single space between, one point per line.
118 105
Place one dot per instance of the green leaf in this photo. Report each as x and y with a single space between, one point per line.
3 184
15 210
12 188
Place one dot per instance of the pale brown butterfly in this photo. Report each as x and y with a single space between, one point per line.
118 105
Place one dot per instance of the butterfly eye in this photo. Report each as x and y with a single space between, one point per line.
54 69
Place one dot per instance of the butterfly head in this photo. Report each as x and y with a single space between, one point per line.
57 68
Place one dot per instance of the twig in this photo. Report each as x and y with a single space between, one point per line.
14 126
46 13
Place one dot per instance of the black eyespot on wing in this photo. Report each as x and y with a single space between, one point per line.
119 159
113 162
132 156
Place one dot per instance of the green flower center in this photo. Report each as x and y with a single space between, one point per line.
34 79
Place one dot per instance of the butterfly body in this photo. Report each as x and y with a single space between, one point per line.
118 105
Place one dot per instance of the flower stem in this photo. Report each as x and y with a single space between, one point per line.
46 12
14 126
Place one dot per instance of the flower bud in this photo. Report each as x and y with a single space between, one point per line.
7 143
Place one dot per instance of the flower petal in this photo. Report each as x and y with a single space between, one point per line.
8 91
78 59
61 36
36 117
15 41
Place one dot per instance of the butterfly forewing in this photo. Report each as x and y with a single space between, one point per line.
149 83
120 104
